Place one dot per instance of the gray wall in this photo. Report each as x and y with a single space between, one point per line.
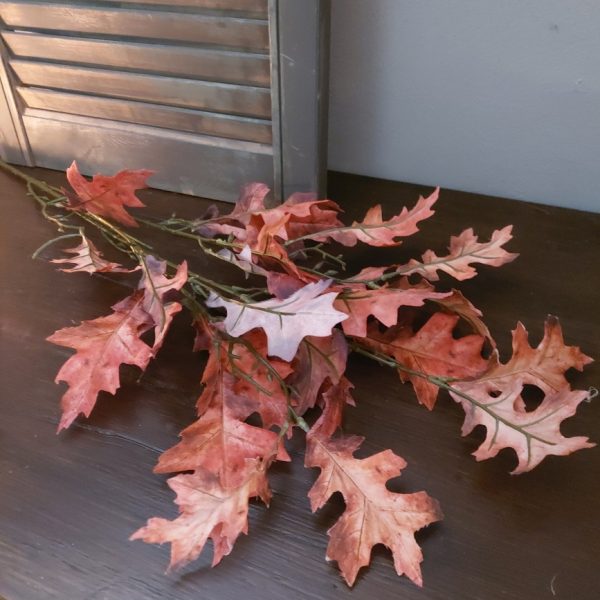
500 97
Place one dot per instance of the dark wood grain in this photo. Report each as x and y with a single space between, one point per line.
68 503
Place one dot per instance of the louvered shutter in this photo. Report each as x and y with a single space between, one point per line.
209 93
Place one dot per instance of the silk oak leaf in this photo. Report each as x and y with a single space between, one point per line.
160 292
373 514
433 351
208 509
107 196
495 399
319 361
105 343
88 259
360 302
307 312
220 441
375 231
102 345
464 251
261 377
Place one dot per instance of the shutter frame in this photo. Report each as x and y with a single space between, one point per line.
201 101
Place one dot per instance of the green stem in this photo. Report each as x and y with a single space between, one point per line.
52 241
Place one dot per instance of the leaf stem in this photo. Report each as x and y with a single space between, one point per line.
52 241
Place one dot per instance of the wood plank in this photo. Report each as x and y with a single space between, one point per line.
224 165
216 65
181 27
189 93
168 117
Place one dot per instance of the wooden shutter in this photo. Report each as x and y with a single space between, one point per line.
209 93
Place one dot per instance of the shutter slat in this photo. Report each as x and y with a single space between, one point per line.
187 163
189 93
181 27
233 67
254 7
167 117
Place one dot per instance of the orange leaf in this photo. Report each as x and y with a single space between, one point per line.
432 351
88 259
373 515
465 250
107 196
495 400
208 510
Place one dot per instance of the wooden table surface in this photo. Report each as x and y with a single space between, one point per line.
68 503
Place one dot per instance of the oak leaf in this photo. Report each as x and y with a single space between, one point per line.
457 304
159 293
102 346
360 302
105 343
220 441
88 259
375 231
307 312
495 399
464 251
261 377
432 351
319 361
107 196
373 515
208 510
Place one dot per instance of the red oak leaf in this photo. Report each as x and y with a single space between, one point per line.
373 515
432 351
334 400
107 196
88 259
465 250
319 361
261 377
457 304
360 302
375 231
286 322
495 401
158 293
251 201
208 510
105 343
220 442
102 346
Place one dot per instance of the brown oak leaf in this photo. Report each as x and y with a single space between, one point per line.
495 399
319 361
102 346
307 312
88 259
261 377
107 196
433 351
360 302
105 343
375 231
220 441
208 510
373 515
465 250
